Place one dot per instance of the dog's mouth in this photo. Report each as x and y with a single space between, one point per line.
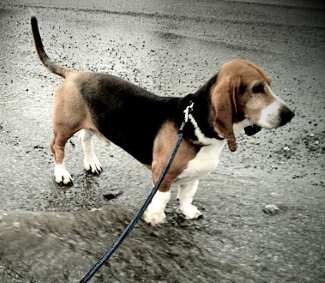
252 129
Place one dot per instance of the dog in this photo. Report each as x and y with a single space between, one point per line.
145 125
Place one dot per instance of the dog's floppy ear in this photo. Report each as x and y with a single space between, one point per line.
225 108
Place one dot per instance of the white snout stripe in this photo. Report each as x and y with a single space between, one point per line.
270 115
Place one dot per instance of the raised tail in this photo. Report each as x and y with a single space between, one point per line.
54 68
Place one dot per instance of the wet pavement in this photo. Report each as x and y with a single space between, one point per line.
52 234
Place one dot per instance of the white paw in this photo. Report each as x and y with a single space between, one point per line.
92 165
154 218
62 176
191 211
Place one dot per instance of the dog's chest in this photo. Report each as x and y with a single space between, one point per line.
205 161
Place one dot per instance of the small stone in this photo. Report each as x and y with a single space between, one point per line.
271 209
94 209
16 224
112 195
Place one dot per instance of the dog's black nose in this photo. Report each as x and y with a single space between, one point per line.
286 115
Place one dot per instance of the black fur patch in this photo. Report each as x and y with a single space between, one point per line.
126 114
130 116
201 111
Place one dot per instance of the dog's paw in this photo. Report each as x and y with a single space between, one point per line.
62 176
191 211
154 218
92 165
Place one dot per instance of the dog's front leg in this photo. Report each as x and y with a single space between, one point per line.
185 195
155 213
163 146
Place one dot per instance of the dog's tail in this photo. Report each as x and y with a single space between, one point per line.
54 68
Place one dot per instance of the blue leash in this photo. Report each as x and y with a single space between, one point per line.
108 254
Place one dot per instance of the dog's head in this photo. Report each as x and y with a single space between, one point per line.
243 91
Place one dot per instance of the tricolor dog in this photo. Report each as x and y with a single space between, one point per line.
145 125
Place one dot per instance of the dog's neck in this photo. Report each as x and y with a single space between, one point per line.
199 130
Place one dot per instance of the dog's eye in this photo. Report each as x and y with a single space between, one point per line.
242 89
258 88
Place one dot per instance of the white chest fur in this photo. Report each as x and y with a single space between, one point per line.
205 161
207 158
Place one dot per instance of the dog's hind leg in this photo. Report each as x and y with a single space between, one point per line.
62 176
91 162
69 116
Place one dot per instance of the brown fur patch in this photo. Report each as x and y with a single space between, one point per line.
163 146
70 114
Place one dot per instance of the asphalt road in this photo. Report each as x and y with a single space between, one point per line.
51 234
